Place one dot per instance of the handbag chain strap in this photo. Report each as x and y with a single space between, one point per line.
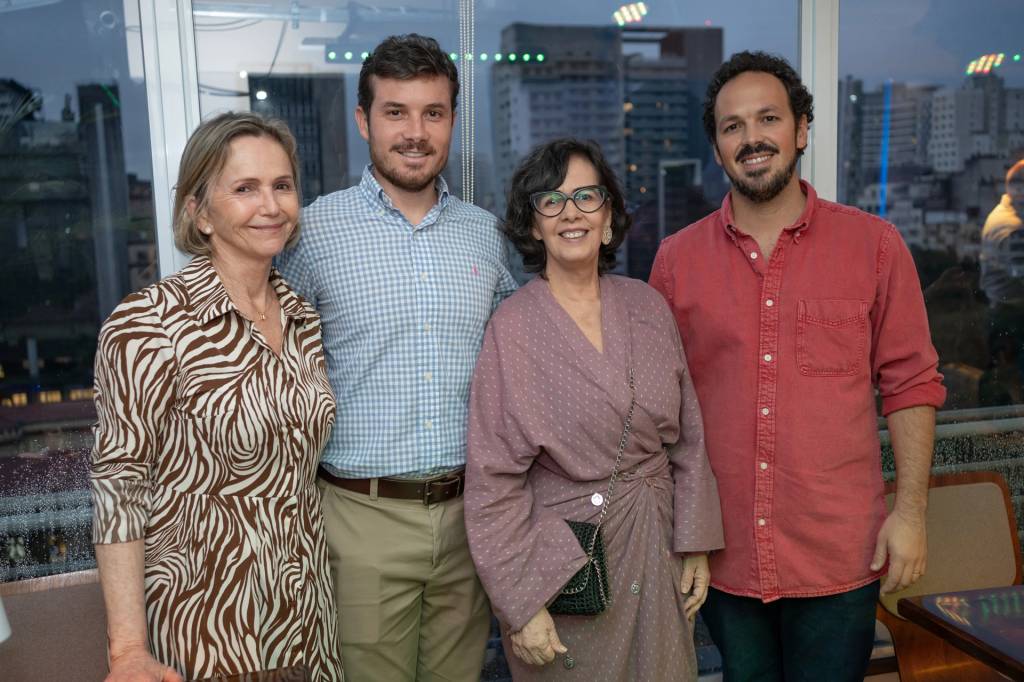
626 428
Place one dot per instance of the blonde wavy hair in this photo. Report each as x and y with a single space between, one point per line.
205 155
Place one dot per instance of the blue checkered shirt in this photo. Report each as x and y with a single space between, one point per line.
403 309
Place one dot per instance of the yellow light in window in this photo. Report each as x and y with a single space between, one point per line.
80 394
47 397
19 399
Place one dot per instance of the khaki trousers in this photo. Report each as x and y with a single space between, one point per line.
410 606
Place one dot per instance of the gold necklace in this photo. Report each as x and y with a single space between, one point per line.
266 295
262 313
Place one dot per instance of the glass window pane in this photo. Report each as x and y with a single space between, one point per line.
534 72
930 119
76 235
636 89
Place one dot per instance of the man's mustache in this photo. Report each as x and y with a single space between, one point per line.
755 149
415 147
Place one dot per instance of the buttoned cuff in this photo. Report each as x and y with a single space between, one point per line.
933 393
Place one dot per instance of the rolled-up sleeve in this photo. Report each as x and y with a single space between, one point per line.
903 360
134 384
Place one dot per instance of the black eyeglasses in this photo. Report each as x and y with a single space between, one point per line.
552 202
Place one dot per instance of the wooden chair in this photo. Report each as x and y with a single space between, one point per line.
972 544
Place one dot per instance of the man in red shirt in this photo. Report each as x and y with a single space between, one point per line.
794 312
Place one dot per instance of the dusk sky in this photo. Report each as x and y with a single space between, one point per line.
55 47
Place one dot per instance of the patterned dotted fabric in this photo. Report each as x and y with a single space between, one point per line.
546 414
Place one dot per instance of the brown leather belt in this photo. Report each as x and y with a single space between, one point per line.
430 491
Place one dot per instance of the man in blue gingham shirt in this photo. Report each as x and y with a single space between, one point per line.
403 309
405 277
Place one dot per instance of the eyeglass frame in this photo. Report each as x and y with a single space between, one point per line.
602 190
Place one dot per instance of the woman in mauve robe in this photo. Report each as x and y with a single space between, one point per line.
546 415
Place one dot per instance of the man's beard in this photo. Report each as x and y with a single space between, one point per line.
769 187
405 182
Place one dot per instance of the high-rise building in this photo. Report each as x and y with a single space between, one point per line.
981 118
49 302
668 154
635 91
895 128
313 106
575 90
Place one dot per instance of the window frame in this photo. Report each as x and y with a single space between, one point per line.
172 88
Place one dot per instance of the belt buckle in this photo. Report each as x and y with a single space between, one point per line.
446 480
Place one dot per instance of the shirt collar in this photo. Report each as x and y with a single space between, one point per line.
376 195
798 226
209 299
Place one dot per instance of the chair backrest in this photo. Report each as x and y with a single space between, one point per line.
972 536
58 629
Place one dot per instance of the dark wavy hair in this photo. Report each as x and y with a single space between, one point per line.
800 100
545 168
403 58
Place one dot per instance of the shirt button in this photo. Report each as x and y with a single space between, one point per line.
769 303
597 499
635 587
761 522
767 357
423 276
569 662
426 328
427 376
764 465
427 423
753 255
765 411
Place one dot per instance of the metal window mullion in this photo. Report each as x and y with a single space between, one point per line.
819 70
172 96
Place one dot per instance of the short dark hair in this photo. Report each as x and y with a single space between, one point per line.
800 100
545 168
403 58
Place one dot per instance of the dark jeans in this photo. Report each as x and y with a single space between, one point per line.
802 639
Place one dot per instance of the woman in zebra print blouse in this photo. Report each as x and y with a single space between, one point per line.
213 406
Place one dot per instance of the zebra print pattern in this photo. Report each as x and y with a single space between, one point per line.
206 446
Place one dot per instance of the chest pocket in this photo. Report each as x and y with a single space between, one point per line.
831 337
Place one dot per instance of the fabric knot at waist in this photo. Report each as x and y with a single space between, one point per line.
651 469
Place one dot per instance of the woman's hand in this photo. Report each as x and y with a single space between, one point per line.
695 581
537 643
138 665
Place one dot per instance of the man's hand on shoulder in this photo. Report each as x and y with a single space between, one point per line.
903 540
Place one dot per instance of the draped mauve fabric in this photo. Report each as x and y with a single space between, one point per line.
546 415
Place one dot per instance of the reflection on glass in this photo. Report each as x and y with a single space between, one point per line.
633 82
927 130
634 85
77 235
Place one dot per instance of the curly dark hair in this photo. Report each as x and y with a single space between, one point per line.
800 100
545 168
403 58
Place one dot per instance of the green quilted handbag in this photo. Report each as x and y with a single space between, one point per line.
586 593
